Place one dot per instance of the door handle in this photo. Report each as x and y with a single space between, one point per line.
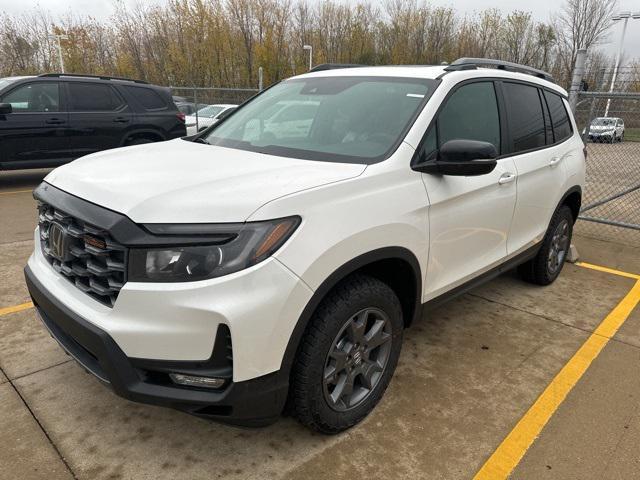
121 120
554 161
54 121
506 178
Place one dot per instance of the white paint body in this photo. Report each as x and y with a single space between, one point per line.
457 227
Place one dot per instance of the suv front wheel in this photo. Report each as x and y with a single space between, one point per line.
348 355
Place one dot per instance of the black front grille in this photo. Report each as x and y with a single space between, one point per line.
90 258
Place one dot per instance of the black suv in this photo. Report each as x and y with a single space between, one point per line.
51 119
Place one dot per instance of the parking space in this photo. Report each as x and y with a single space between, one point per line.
468 373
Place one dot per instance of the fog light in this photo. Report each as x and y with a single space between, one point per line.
193 381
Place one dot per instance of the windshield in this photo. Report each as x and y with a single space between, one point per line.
340 119
209 111
7 80
600 122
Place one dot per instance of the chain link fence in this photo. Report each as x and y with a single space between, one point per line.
610 125
191 99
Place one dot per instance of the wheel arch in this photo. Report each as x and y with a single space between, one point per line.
155 135
396 266
573 199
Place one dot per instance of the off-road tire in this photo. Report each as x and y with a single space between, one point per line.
354 294
537 270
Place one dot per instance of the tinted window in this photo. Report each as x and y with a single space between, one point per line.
548 127
148 98
339 119
92 97
34 97
471 113
524 116
559 116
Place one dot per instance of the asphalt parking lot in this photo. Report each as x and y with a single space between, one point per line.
510 375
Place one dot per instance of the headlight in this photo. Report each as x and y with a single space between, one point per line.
242 246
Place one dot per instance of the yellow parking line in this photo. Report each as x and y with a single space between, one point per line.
608 270
510 452
15 308
16 191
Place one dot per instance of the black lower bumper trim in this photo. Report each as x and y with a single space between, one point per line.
254 402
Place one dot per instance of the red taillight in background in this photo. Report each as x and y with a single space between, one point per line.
180 116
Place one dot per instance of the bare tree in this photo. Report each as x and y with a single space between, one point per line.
581 24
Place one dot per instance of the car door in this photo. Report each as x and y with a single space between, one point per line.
34 134
98 117
540 154
469 217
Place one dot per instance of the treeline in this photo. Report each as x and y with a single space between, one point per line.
224 42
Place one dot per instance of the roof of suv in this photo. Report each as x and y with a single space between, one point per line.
432 72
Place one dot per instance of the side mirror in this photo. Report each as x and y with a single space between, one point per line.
5 108
462 158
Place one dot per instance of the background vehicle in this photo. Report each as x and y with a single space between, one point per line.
207 115
282 256
184 105
606 129
52 119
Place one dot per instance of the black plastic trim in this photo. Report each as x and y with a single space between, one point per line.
466 63
513 262
254 402
124 230
387 253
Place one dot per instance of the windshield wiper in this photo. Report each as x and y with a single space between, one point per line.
200 140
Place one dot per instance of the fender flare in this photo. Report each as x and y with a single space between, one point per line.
385 253
572 190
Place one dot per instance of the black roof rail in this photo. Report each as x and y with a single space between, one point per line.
100 77
473 63
334 66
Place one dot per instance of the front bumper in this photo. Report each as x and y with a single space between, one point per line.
254 402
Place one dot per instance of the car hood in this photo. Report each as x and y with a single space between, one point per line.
181 182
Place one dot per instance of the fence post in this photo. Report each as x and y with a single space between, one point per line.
260 78
195 102
576 81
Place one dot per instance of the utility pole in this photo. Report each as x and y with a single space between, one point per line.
576 81
310 48
57 37
625 16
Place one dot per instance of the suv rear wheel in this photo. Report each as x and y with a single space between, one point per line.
348 355
545 267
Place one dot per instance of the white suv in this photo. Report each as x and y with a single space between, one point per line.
249 268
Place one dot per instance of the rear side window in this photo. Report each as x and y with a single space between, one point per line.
471 113
559 116
147 97
93 97
524 117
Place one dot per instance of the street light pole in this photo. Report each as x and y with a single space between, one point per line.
310 48
58 38
621 16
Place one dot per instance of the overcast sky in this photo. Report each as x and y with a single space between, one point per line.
541 10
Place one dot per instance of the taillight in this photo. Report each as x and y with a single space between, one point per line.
180 116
